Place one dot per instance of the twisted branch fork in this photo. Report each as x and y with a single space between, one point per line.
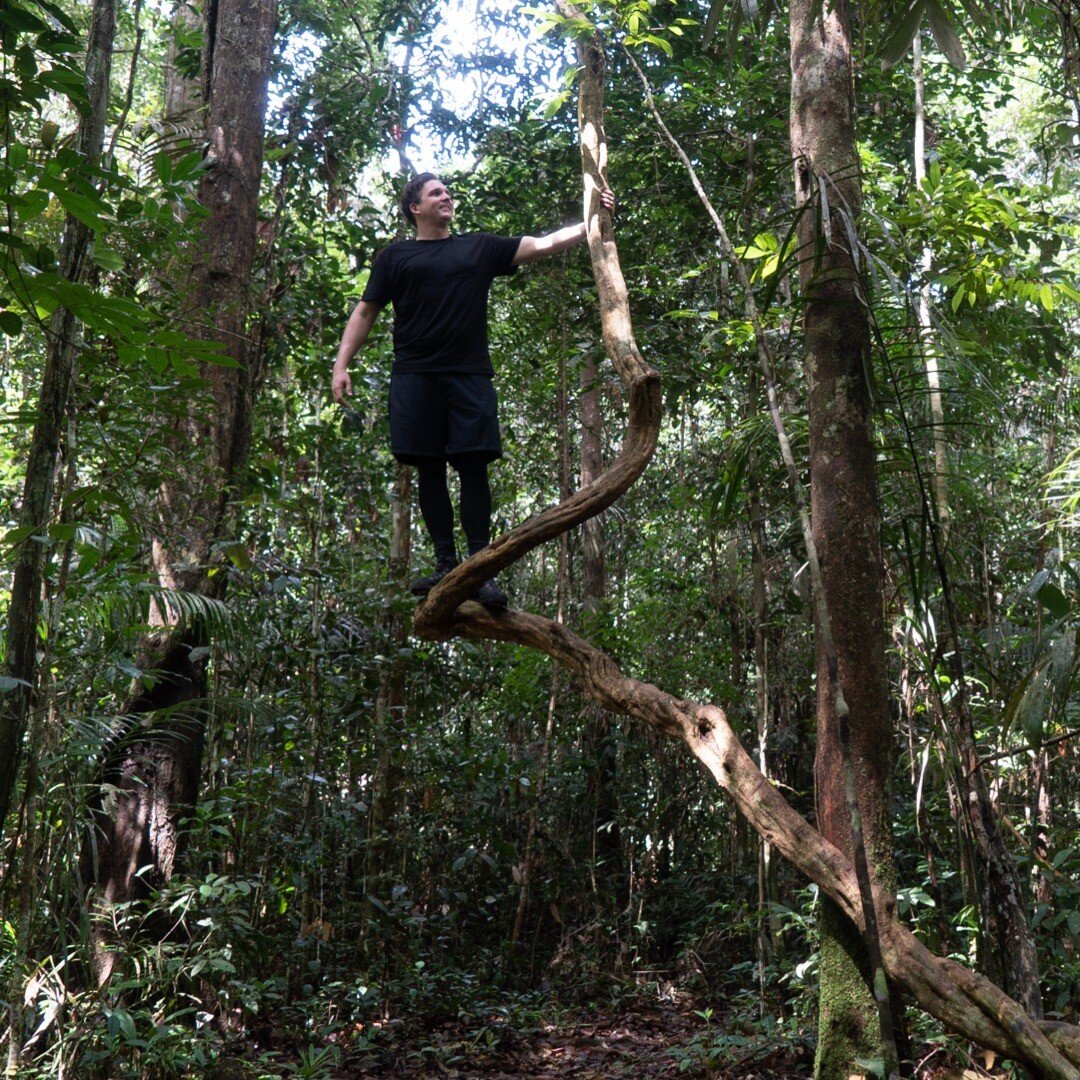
962 999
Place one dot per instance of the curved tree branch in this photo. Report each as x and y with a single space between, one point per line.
962 999
641 381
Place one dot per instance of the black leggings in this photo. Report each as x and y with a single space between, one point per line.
437 512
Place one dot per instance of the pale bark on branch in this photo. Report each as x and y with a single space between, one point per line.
960 998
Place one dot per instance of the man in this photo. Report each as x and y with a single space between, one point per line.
443 407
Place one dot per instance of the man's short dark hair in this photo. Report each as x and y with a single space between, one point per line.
411 195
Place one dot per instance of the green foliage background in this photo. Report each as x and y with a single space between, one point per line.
285 948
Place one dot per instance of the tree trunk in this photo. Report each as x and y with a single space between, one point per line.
153 780
184 86
62 350
600 749
1040 772
769 935
844 511
388 794
940 476
1069 24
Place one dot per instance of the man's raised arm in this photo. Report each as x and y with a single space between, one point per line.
532 248
356 331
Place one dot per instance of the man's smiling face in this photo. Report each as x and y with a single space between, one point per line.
435 206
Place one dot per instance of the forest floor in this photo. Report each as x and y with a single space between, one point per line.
661 1039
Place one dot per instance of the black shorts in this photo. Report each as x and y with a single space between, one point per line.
443 416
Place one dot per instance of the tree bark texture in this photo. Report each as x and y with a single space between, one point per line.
940 475
844 506
218 286
963 1000
603 797
153 779
184 88
1068 17
61 354
769 930
388 795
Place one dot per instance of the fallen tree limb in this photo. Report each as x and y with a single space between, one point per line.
963 1000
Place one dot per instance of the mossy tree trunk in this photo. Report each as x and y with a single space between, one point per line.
844 509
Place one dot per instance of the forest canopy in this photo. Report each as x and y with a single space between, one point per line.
791 481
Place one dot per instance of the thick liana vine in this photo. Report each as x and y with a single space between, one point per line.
962 999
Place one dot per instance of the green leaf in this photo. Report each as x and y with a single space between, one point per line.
1046 296
873 1066
88 211
21 20
1033 709
65 81
238 555
1054 600
712 20
192 164
895 47
17 536
163 166
663 45
59 15
1062 658
108 259
10 323
33 204
1016 700
945 34
555 104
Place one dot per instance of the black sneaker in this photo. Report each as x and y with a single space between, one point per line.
422 586
491 596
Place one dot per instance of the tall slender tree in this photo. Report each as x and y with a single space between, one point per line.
152 780
61 356
844 508
603 820
940 475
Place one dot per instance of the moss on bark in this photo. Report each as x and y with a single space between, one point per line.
848 1025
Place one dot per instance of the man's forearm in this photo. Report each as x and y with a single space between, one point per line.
356 332
561 239
532 248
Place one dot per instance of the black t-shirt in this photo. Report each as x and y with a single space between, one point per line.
439 289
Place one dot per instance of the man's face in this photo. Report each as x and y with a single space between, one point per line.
434 205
